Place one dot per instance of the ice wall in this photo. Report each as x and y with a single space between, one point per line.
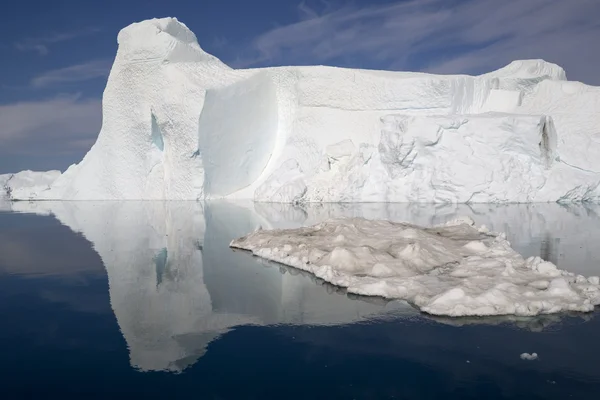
179 124
237 133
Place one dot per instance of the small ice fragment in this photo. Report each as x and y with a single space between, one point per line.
529 357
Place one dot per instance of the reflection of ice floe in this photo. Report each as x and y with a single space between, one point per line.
175 285
536 323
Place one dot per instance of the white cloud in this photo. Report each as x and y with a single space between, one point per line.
440 35
74 73
57 124
41 44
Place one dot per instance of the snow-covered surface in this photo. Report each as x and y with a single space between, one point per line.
452 269
26 185
180 124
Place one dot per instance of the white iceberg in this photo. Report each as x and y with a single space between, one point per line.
452 269
179 124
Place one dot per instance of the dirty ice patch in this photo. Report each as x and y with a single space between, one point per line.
453 269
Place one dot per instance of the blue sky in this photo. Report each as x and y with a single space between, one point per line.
57 54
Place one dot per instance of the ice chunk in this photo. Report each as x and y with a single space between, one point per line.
529 357
453 269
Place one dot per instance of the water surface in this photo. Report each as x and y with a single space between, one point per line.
131 299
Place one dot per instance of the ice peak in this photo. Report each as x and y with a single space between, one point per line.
143 30
533 68
160 39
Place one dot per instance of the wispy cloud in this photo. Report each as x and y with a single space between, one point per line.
446 36
41 44
58 125
74 73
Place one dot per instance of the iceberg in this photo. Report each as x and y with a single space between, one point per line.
452 269
179 124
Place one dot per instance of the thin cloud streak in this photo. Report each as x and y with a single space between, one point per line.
74 73
469 36
41 44
62 124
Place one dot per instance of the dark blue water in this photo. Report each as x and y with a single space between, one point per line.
132 300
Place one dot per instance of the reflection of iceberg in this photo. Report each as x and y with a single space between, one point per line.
5 205
154 268
175 285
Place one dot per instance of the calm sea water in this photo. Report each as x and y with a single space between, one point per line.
145 300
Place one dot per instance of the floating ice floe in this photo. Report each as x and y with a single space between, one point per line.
453 269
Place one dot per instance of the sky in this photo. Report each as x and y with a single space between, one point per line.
57 54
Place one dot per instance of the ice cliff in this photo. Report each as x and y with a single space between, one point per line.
180 124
